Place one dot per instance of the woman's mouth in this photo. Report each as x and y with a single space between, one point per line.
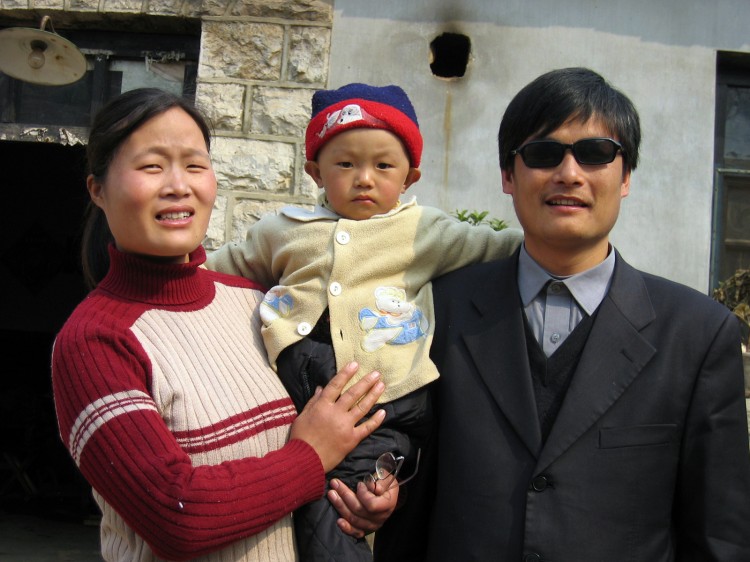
174 216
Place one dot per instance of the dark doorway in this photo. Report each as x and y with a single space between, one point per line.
43 194
44 501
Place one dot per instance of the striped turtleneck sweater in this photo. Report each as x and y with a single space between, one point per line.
169 408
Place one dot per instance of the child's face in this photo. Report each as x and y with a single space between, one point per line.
364 171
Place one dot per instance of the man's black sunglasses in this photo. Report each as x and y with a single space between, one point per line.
549 153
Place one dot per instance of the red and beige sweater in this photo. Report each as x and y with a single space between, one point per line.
167 404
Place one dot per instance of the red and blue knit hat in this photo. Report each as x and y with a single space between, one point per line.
357 106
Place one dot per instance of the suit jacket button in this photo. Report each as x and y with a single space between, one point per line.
532 557
540 483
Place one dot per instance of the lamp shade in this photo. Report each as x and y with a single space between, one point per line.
40 57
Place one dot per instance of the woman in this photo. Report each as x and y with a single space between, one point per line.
163 393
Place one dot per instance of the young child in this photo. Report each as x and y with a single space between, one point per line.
351 280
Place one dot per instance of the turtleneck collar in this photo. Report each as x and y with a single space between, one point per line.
135 278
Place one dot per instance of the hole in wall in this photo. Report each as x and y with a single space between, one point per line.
450 55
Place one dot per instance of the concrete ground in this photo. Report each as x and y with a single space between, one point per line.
30 538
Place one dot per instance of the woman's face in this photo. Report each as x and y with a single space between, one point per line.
159 189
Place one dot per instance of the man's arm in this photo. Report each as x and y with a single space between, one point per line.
712 505
403 529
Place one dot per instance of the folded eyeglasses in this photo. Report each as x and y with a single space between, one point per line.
388 465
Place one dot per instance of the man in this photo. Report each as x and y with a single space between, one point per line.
587 411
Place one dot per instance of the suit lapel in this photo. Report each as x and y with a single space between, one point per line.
614 355
498 348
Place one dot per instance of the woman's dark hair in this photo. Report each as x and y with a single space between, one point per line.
549 101
111 127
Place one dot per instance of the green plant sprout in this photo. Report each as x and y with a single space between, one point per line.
479 217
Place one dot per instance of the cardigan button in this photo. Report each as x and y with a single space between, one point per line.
342 237
304 328
335 289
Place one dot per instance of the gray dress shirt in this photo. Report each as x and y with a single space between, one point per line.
555 305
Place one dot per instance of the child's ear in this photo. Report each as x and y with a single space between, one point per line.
411 178
313 170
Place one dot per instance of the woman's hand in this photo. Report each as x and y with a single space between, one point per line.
365 511
329 420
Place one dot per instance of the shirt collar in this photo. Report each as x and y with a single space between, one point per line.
588 287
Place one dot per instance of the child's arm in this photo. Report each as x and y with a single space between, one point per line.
450 244
250 259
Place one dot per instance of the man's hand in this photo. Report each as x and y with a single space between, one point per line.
367 510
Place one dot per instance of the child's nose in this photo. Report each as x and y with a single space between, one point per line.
364 176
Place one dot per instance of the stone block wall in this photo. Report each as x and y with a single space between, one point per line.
260 62
259 65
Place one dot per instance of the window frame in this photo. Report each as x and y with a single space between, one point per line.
732 71
101 49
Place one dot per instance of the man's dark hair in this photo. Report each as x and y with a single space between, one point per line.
558 96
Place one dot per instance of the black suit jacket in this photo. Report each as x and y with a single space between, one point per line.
648 458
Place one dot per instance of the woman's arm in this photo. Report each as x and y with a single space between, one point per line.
124 449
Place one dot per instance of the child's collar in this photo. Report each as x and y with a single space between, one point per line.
323 202
323 211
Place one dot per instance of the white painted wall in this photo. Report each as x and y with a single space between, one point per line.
661 54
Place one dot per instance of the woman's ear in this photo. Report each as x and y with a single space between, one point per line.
313 170
411 178
94 188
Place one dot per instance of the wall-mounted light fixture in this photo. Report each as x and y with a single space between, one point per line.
40 57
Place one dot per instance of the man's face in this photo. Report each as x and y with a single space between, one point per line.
568 210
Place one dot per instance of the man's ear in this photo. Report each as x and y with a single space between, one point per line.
508 181
625 186
411 178
313 170
94 188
